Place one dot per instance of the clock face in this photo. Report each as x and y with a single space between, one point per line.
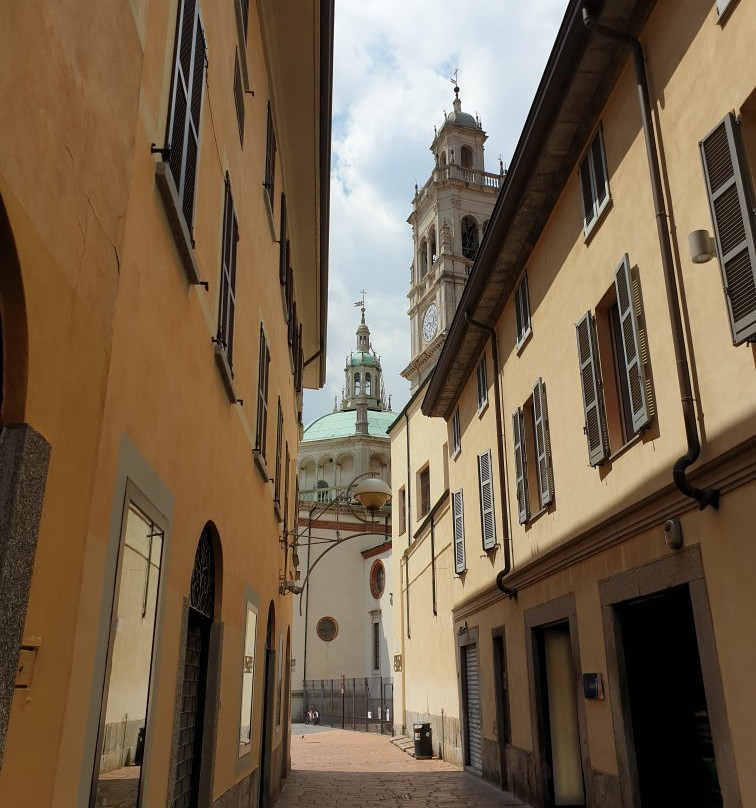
430 322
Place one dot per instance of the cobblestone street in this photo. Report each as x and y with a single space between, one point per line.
354 769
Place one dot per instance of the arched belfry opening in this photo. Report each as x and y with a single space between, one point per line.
466 157
198 697
470 241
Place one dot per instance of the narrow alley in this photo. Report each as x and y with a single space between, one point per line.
357 770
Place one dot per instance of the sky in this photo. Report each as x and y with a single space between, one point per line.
393 63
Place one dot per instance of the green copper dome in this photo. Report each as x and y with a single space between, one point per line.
343 424
462 118
362 358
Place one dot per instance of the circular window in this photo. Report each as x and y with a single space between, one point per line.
377 579
327 629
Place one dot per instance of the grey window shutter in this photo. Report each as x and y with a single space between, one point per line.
186 106
631 344
521 466
729 192
487 517
601 186
459 532
586 186
543 445
593 405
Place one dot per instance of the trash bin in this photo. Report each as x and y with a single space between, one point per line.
423 741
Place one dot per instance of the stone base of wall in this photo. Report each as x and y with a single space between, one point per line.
242 795
447 738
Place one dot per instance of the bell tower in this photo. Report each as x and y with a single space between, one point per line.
363 383
449 216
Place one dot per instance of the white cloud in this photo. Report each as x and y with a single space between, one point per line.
392 64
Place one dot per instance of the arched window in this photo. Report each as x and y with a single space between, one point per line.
443 158
322 491
433 245
469 237
368 385
467 157
423 258
357 383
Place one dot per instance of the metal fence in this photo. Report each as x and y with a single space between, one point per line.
365 704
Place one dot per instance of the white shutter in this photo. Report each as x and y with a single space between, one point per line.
543 445
458 517
521 466
487 517
730 200
634 360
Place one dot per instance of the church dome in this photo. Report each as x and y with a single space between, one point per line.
362 358
342 424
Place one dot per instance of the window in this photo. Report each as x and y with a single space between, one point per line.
125 715
283 245
402 510
480 374
186 106
262 396
286 475
522 311
487 516
327 629
456 432
376 645
357 383
298 361
270 160
433 245
368 384
279 440
458 530
227 301
731 200
239 98
424 491
594 182
248 680
245 15
423 258
466 157
532 451
613 357
377 579
469 238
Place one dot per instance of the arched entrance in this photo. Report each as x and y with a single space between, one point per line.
194 702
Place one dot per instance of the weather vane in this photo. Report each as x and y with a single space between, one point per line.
361 301
454 79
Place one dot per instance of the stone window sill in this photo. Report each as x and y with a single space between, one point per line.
226 374
262 469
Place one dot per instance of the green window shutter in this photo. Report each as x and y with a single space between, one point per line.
729 191
487 517
458 516
631 344
543 445
521 470
593 405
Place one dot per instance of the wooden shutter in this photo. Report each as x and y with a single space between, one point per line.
521 466
239 97
634 360
227 303
487 516
458 516
543 445
730 194
186 106
270 159
262 395
593 405
279 437
283 241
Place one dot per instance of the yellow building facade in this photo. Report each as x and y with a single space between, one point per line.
597 390
163 291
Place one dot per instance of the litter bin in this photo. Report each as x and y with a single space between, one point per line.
423 741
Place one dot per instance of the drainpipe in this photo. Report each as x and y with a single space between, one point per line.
408 504
707 496
510 593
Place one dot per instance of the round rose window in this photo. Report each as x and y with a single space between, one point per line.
377 579
327 629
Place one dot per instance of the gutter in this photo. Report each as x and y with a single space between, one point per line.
706 496
511 593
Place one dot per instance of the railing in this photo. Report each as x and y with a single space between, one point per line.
330 494
365 704
472 176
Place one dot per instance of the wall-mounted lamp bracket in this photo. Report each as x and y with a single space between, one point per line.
164 152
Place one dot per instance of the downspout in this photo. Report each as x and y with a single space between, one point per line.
433 563
408 505
307 605
707 496
510 593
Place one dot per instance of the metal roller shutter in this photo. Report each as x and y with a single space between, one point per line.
474 734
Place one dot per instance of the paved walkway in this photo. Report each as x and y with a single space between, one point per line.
335 767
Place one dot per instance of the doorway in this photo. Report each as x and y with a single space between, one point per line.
266 745
473 732
669 716
503 731
559 716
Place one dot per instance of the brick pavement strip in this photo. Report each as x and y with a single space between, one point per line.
334 767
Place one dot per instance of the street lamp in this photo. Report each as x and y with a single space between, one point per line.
371 493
